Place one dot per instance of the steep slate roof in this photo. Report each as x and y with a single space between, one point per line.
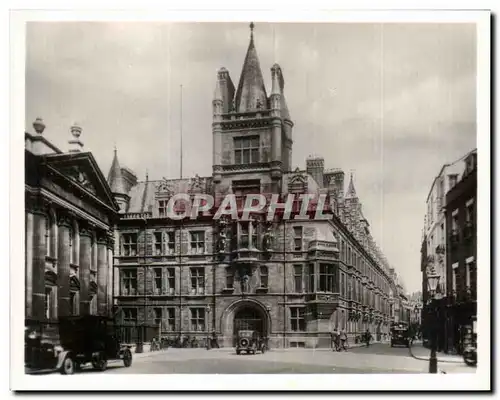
251 86
115 177
142 195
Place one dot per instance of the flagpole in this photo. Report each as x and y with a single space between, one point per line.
181 132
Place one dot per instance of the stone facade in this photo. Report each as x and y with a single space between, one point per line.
292 280
70 212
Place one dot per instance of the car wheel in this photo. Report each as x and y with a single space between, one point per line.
101 363
68 366
237 352
127 358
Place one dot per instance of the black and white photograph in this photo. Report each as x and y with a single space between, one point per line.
255 201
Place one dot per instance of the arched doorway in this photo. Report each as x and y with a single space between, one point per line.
248 318
244 314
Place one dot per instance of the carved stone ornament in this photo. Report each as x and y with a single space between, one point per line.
165 186
110 239
196 184
102 238
64 219
86 231
267 240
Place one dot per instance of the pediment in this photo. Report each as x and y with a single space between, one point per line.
83 172
80 177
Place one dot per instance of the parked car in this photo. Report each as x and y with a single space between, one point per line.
74 342
251 342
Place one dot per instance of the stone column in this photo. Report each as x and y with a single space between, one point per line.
63 267
110 243
39 251
102 274
85 256
29 264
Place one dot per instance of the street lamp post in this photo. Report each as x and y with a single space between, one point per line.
208 310
432 282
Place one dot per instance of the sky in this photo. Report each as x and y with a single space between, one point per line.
390 102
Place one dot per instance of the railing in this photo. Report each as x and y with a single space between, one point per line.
140 215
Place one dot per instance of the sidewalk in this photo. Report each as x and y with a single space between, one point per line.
419 351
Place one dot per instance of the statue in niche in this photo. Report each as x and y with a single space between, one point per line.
232 106
267 240
221 244
245 283
259 104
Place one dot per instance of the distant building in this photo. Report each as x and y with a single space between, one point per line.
293 281
461 223
70 213
435 249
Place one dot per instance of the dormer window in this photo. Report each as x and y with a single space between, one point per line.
246 150
162 208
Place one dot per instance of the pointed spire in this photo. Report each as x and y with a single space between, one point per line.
115 178
351 192
251 93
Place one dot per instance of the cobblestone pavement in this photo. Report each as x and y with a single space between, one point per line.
378 358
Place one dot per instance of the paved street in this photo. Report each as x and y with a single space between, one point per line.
378 358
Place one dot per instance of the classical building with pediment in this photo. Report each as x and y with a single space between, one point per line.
70 214
291 280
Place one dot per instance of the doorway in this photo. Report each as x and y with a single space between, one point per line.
248 318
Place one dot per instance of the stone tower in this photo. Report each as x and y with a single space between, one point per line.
117 184
252 133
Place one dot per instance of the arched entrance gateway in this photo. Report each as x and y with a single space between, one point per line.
244 315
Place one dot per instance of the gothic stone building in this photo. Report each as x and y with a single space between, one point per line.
70 213
292 280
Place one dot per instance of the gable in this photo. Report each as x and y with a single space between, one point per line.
83 173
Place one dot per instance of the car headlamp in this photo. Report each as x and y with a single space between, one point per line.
58 349
33 335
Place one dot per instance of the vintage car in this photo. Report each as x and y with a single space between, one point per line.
400 335
72 343
251 342
41 346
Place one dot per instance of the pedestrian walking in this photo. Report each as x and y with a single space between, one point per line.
335 340
214 340
343 340
368 337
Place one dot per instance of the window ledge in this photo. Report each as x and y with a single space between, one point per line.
228 290
262 289
195 296
297 294
162 294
